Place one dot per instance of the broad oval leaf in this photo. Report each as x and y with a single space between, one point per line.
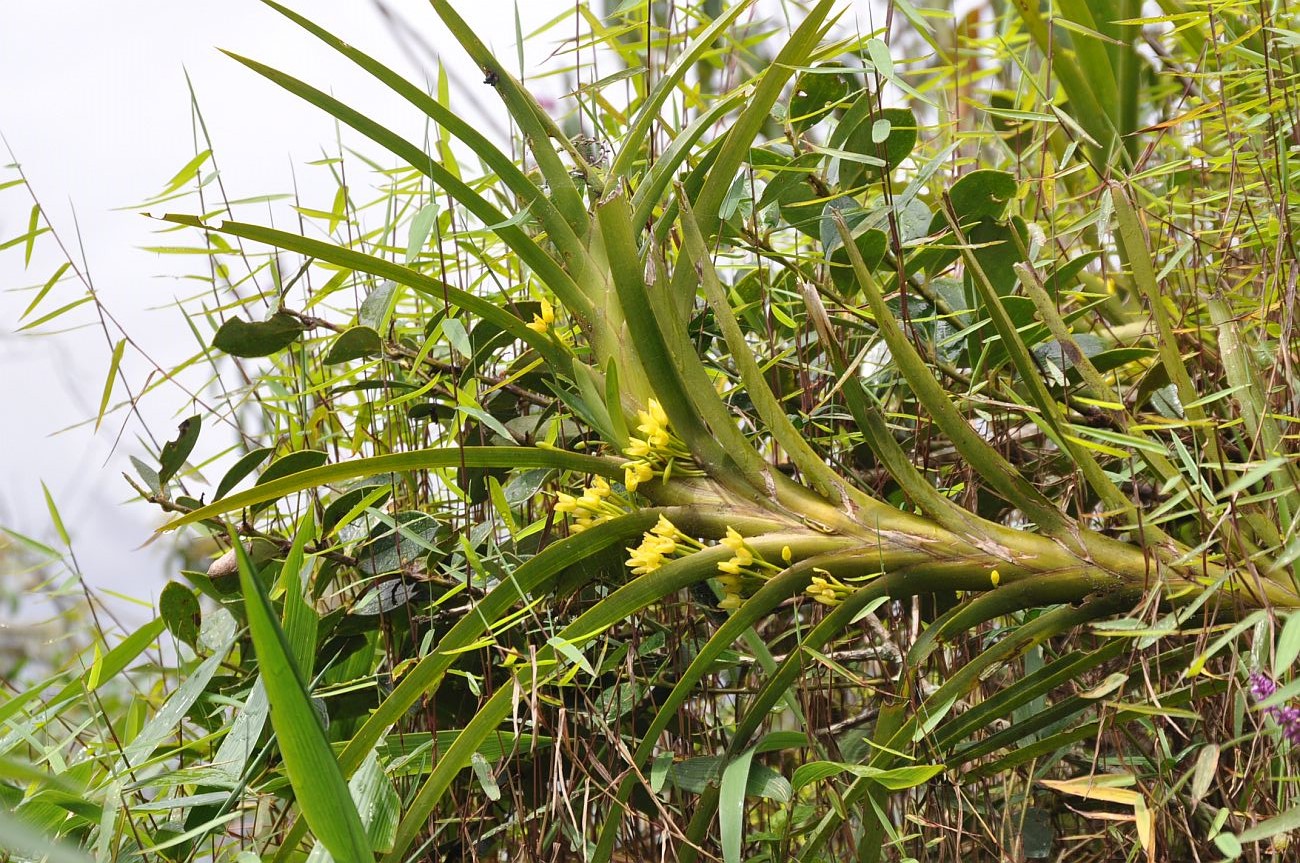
179 609
982 194
292 463
249 339
353 344
899 139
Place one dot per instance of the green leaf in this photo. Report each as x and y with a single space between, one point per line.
45 289
1278 824
1229 845
248 339
816 92
33 222
697 775
299 479
454 330
571 652
377 802
486 781
293 463
55 518
175 452
319 788
888 136
220 628
353 260
187 173
878 51
1288 646
731 806
354 343
118 350
666 83
179 609
893 779
242 468
982 194
377 308
393 547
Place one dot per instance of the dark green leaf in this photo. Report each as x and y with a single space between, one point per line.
393 549
293 463
981 194
241 338
859 138
179 609
354 343
242 468
816 93
175 452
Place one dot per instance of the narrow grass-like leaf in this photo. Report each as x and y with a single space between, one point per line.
109 379
55 518
638 130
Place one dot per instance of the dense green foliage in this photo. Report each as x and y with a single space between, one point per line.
811 445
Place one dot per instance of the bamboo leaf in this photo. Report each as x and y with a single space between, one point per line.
109 380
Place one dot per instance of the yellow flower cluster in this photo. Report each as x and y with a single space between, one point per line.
826 588
595 505
658 544
735 569
542 322
658 452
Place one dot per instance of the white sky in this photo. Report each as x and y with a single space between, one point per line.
94 105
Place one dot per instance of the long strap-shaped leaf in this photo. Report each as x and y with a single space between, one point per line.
502 225
760 707
649 193
318 785
735 147
537 126
770 410
1000 474
1060 619
400 462
899 584
559 361
534 575
637 136
561 233
626 601
912 564
1096 121
1049 417
665 367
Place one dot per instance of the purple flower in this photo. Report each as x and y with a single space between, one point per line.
1261 685
1288 717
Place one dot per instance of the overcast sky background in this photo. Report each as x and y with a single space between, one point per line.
94 105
